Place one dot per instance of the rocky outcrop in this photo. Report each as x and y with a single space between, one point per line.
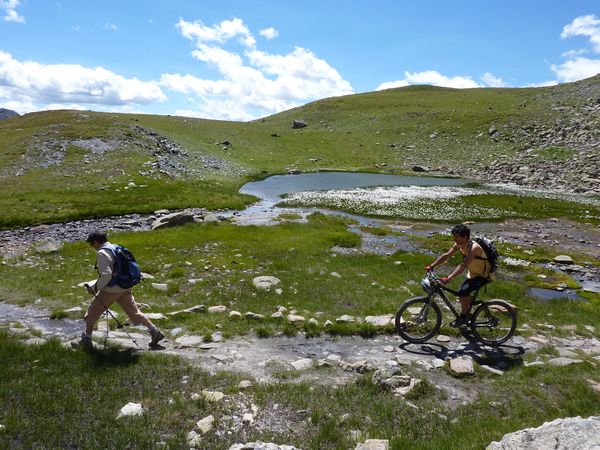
560 434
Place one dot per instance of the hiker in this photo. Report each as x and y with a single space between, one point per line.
106 293
475 261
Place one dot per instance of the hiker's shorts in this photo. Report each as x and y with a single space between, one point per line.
472 284
104 300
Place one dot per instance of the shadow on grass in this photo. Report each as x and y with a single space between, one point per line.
501 357
113 356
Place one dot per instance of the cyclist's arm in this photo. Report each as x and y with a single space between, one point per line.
444 257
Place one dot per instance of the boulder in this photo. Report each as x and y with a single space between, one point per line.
131 409
560 434
563 259
299 124
417 168
265 282
463 365
171 220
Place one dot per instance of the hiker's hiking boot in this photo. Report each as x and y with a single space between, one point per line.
460 322
156 336
85 343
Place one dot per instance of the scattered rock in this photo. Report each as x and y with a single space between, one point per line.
299 124
560 434
374 444
345 319
188 341
564 361
563 259
131 409
265 282
160 286
463 365
217 309
206 424
303 364
173 219
213 396
244 384
380 321
293 318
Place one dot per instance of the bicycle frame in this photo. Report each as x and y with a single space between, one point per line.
439 290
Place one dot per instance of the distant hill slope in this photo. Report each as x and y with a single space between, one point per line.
7 113
545 137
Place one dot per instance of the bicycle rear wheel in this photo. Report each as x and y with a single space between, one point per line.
418 320
494 322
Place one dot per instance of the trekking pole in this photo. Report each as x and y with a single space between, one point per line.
119 324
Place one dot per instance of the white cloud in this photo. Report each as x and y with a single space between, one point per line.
543 84
269 33
576 69
492 81
219 33
110 26
584 26
433 78
30 82
10 9
250 83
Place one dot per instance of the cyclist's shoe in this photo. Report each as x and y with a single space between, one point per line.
156 336
460 322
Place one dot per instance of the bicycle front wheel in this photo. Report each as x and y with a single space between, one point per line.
494 322
418 320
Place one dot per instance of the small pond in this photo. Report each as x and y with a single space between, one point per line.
549 294
272 188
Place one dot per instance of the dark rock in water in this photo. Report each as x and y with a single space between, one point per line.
299 124
7 113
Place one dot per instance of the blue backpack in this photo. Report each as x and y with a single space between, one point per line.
126 271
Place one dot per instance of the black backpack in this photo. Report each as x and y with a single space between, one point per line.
126 272
490 251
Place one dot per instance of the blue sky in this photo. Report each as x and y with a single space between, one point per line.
240 60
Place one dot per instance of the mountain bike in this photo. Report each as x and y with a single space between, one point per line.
492 322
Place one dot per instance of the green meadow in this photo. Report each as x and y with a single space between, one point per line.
64 165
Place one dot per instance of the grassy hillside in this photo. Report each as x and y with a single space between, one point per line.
58 165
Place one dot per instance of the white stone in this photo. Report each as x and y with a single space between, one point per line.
156 316
336 275
194 439
491 369
212 396
217 309
563 361
235 315
374 444
293 318
312 321
277 315
380 321
463 365
265 282
563 259
206 424
560 434
188 341
345 319
302 364
443 338
131 409
389 349
160 286
247 418
244 384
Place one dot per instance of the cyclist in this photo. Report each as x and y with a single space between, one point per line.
475 262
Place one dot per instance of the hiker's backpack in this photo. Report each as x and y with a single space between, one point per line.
490 251
126 271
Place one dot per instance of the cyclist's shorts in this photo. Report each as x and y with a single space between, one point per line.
471 284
